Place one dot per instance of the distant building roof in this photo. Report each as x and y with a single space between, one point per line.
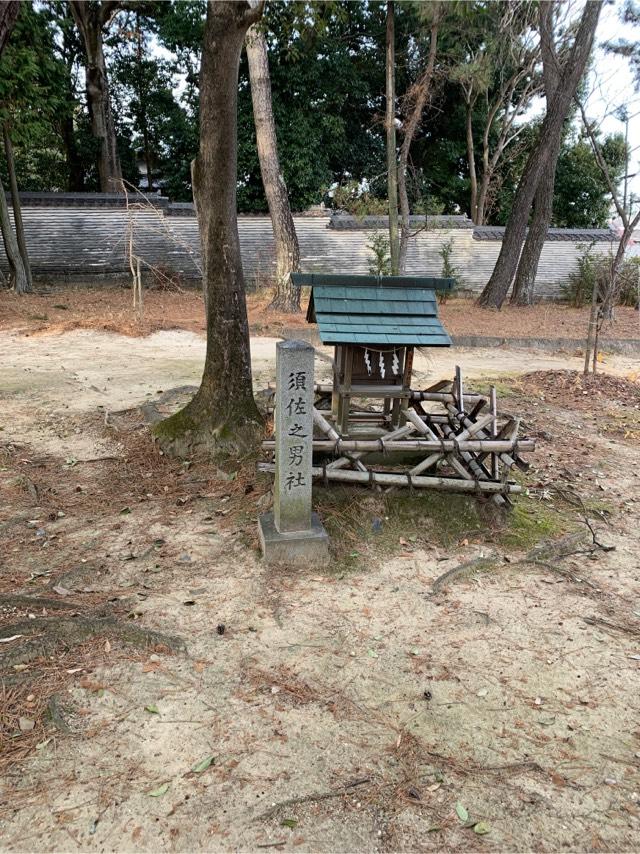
398 310
574 235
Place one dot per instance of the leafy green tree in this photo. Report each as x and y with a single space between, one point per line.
149 118
29 101
327 78
581 198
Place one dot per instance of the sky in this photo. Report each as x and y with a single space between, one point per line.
612 85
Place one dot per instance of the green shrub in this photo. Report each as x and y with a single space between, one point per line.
597 268
380 258
448 271
358 202
579 287
629 284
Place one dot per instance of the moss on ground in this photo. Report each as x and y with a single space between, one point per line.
364 526
530 521
175 426
505 386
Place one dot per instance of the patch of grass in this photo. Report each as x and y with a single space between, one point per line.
363 525
506 386
530 521
368 526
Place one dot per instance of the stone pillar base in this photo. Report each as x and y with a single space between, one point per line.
299 548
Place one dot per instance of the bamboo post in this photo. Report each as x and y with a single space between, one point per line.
495 463
450 446
506 459
459 389
321 422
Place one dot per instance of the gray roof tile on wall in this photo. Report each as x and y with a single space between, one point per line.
345 222
583 235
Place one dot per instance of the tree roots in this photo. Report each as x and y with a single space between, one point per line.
43 636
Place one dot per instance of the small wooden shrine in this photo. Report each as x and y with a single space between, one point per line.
374 324
370 426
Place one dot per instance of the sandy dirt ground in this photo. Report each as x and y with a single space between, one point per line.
357 709
109 309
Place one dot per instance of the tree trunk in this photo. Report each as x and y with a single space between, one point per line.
421 93
481 200
75 172
142 100
17 274
8 14
471 160
524 284
287 295
222 418
90 19
498 285
17 211
390 121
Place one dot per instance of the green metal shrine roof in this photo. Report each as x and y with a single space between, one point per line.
395 310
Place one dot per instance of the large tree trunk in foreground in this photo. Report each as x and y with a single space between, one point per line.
524 284
91 18
17 210
287 295
390 122
420 94
222 418
498 285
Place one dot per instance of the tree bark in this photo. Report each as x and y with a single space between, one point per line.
498 285
75 172
421 93
222 418
471 159
17 274
17 212
390 122
91 18
8 14
142 100
287 295
524 284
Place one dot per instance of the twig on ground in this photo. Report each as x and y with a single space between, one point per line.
314 796
599 621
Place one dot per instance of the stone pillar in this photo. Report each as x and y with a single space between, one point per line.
293 534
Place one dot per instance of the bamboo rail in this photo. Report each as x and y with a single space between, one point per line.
443 446
376 478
